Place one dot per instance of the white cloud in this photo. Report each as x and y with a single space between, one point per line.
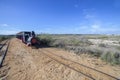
9 30
76 5
95 26
4 25
97 29
89 16
80 28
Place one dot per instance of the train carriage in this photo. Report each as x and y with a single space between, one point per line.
27 37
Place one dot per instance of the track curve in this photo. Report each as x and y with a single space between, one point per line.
83 69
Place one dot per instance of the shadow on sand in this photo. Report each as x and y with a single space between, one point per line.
37 46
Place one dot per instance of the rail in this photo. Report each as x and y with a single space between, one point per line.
72 65
2 57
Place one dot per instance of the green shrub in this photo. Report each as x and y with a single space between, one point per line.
119 42
60 43
45 40
107 56
3 38
103 37
111 57
75 42
95 52
81 42
102 45
116 59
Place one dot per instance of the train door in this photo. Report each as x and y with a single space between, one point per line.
26 36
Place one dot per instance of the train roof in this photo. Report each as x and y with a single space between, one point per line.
24 32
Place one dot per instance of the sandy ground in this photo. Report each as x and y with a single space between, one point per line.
88 61
25 63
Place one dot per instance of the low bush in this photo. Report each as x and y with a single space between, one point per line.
111 57
75 42
3 38
81 46
95 52
59 43
45 40
119 42
102 45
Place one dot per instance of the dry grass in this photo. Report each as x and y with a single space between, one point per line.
100 46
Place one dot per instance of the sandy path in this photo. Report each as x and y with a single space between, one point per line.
24 63
87 60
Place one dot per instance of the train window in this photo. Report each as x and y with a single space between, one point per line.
27 33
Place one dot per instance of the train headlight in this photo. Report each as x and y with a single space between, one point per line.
33 41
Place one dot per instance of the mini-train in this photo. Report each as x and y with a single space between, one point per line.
27 37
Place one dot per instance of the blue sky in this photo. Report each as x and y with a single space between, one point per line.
60 16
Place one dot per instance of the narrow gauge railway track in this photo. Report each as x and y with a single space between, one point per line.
88 72
87 77
1 46
3 53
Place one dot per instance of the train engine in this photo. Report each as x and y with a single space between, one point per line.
27 37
